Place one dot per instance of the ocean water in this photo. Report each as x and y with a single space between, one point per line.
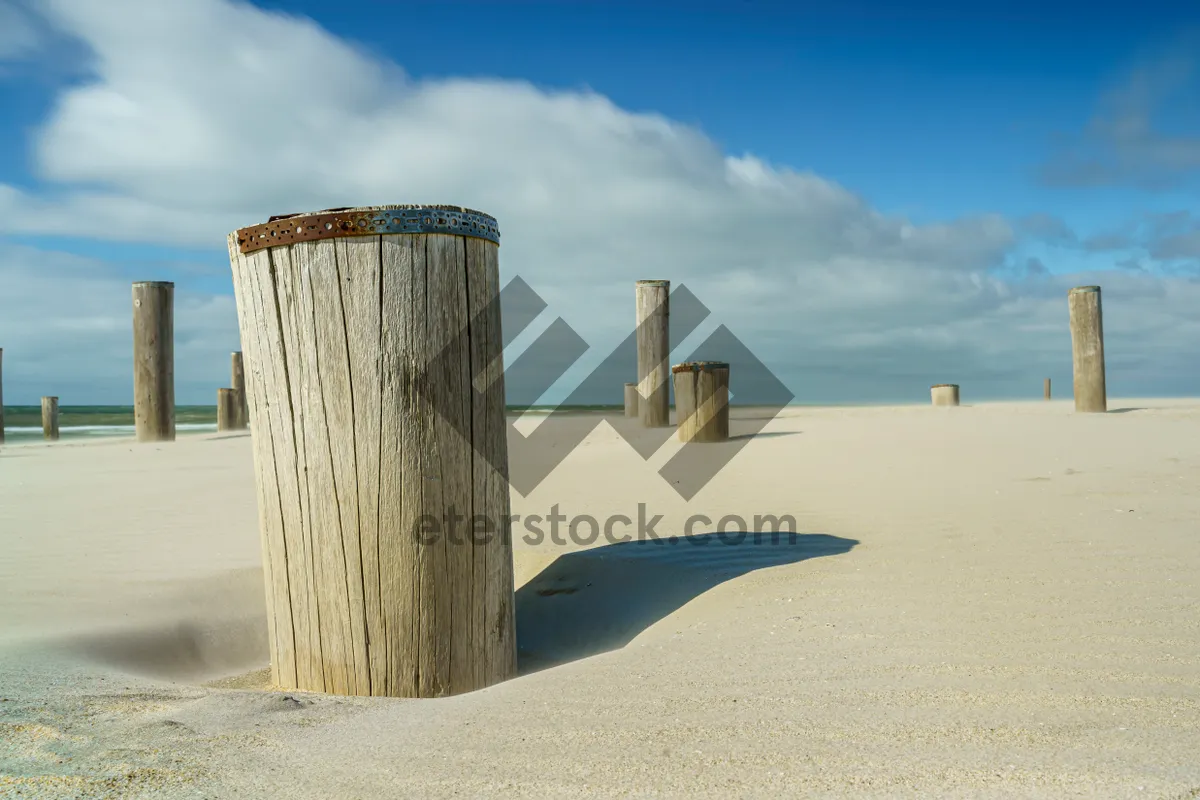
24 423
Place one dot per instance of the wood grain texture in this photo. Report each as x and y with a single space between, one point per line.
495 618
50 418
702 402
631 400
944 394
376 584
653 352
229 411
1087 349
237 380
154 361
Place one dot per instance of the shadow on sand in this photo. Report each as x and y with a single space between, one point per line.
1123 410
767 435
596 600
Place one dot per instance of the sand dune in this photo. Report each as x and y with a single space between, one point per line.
989 601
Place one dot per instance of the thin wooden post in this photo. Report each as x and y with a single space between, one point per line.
1046 390
154 361
631 400
228 413
238 382
382 474
653 352
944 394
1087 348
701 401
1 395
50 418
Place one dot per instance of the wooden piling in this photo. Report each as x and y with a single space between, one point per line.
1046 389
382 473
653 352
631 400
238 383
1087 348
229 415
154 361
50 418
944 394
701 401
1 395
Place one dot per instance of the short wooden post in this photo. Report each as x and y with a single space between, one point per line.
631 400
50 418
944 394
1 395
1046 390
238 382
154 361
1087 348
653 352
382 472
701 401
228 413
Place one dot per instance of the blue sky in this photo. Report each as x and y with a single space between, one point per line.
929 117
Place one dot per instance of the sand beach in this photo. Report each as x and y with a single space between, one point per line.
996 600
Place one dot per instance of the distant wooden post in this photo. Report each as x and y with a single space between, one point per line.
701 401
382 475
50 418
1 395
154 361
1087 348
653 352
631 400
229 414
238 382
944 394
1046 391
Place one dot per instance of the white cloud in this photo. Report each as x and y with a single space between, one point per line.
205 116
1128 141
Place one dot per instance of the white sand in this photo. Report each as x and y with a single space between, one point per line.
1002 602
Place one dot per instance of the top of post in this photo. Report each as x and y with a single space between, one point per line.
367 221
654 283
1080 289
700 366
168 284
944 386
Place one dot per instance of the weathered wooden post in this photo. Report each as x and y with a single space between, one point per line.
1 395
1046 389
238 382
631 400
701 401
1087 348
653 351
944 394
50 418
382 473
229 414
154 361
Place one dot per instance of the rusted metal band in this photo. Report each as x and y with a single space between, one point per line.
700 366
337 222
